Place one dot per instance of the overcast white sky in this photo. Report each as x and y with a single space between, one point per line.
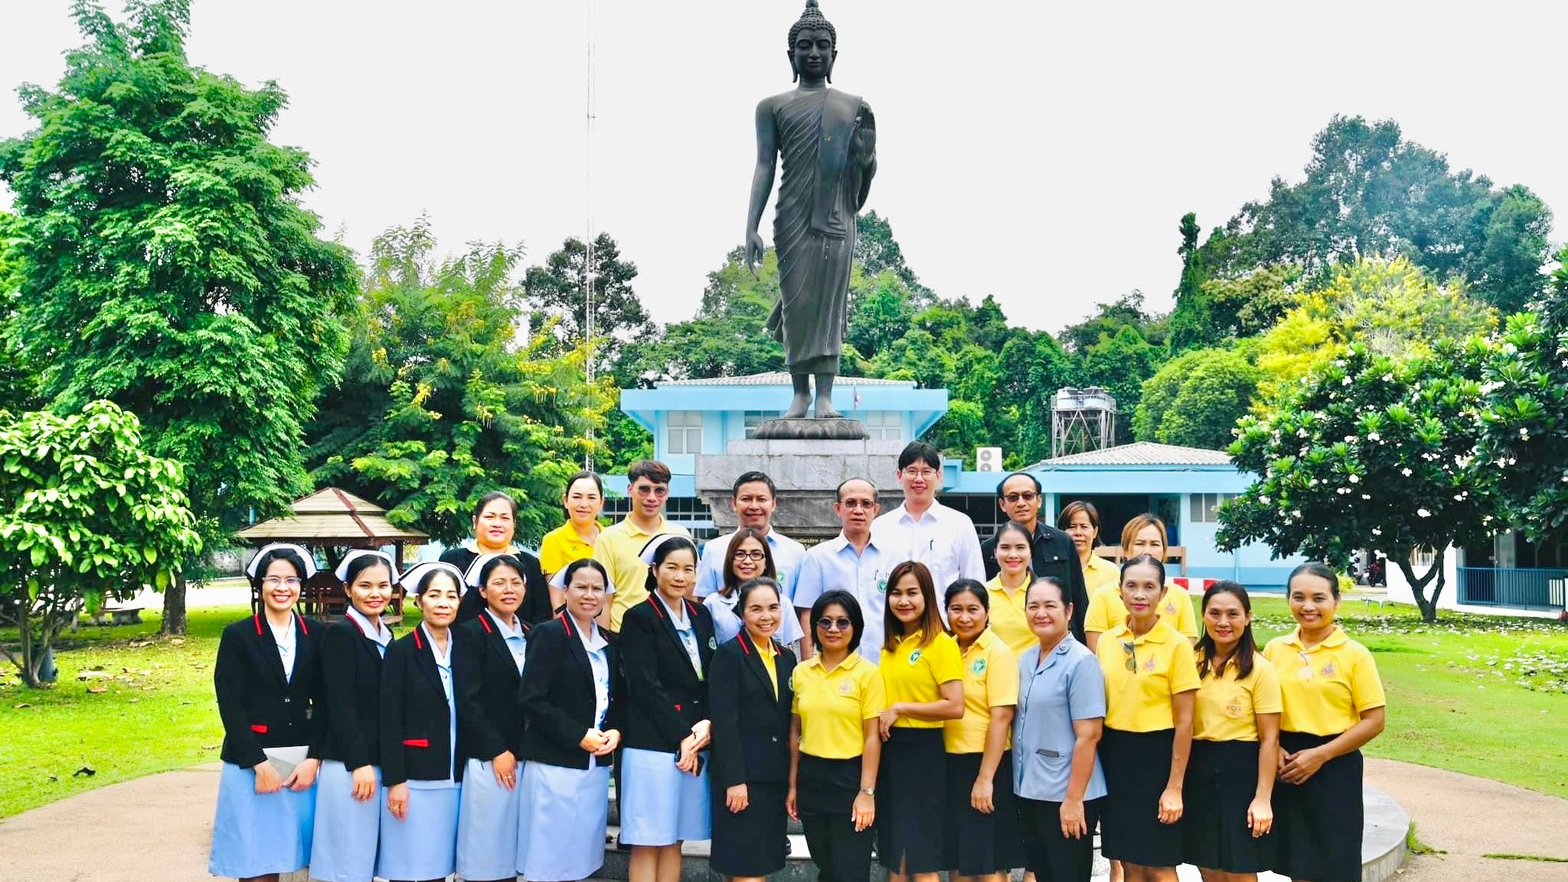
1040 152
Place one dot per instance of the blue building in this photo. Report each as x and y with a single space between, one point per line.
1183 485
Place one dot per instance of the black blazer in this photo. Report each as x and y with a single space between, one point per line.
750 724
351 695
1054 555
259 707
664 695
557 695
416 722
536 592
489 714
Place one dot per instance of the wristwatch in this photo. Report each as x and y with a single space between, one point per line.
869 791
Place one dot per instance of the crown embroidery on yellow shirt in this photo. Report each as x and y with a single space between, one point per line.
843 688
1148 663
1170 607
1327 670
1235 707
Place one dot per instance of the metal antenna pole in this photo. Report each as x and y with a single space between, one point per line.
588 331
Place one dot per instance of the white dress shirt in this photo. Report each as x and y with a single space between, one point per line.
943 539
835 564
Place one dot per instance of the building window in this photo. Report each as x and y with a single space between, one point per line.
685 428
1204 507
884 425
754 419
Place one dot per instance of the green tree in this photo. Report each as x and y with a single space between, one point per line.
86 515
1109 318
1391 306
1254 301
1211 400
1368 191
441 403
556 290
876 251
1371 451
881 310
169 266
1192 322
1120 363
727 337
1034 367
18 380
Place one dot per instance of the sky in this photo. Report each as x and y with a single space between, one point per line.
1042 153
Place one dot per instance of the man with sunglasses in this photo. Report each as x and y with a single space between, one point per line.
1053 554
619 547
852 561
755 499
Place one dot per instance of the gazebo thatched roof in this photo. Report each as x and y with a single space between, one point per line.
332 517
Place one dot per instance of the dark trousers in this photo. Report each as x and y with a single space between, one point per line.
1048 854
841 854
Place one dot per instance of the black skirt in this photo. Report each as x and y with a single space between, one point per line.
1319 823
1137 765
978 844
750 843
1222 778
1048 854
827 786
911 801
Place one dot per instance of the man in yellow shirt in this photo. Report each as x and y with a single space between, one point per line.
619 547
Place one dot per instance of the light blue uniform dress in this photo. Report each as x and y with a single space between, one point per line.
564 813
727 623
487 822
663 805
343 847
256 834
424 845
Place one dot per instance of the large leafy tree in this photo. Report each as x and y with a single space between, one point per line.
556 290
86 515
1193 322
1526 428
1120 363
18 380
876 251
443 402
1372 451
1369 191
1196 399
167 264
726 338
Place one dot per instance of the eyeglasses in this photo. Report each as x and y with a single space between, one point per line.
751 554
275 581
1132 654
830 624
859 503
651 490
1026 496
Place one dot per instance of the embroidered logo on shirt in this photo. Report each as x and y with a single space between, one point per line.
713 643
881 586
1328 670
1235 708
843 688
914 657
1148 663
978 667
1170 607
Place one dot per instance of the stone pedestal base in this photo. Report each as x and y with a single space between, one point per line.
807 474
842 429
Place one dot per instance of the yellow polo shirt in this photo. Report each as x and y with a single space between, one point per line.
1326 688
1009 619
990 680
766 653
915 673
1228 707
1162 666
1106 610
561 547
834 705
620 550
1100 572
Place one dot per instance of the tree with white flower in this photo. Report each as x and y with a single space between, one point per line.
1372 450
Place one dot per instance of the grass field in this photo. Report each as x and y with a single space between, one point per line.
1480 695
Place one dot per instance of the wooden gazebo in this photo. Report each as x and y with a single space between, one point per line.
335 521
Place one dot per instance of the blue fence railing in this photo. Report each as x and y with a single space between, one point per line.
1491 586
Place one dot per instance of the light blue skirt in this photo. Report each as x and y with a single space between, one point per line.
254 834
561 822
343 845
662 805
424 844
487 825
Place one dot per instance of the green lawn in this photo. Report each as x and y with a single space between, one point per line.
1480 695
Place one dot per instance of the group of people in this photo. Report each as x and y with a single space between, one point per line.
902 690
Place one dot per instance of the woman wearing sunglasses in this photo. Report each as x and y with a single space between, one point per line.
835 742
1151 683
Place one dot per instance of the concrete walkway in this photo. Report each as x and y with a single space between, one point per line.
1470 817
157 829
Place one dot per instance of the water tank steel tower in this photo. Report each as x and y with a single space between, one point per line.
1081 420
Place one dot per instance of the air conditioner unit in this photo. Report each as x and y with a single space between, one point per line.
988 459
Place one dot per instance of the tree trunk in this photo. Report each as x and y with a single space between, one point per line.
1428 606
31 657
174 607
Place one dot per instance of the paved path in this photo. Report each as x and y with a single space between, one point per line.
1469 817
157 829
